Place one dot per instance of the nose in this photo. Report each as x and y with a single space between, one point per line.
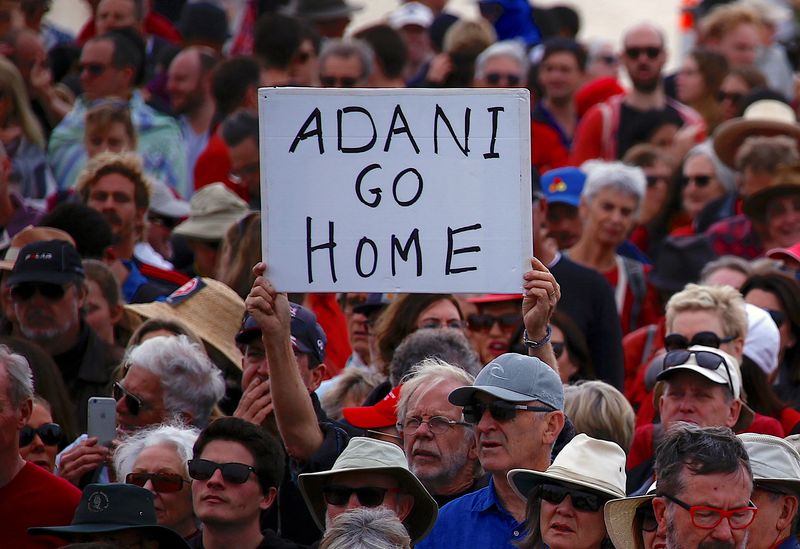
216 478
353 502
565 508
723 531
424 430
149 485
495 330
36 443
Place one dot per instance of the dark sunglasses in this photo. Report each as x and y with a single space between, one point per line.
368 496
558 348
499 409
25 291
161 482
674 342
50 433
646 517
700 181
608 59
494 78
734 98
236 473
652 180
334 82
94 69
166 222
132 402
704 359
484 322
651 52
581 500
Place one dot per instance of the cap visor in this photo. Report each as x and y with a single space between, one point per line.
41 276
464 395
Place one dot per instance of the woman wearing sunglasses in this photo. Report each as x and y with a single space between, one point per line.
40 438
156 459
565 503
703 180
631 522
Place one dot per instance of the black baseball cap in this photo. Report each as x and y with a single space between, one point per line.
52 261
306 333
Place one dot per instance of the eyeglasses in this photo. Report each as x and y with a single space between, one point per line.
164 221
608 59
674 342
651 52
646 517
436 324
25 291
705 359
204 469
161 482
94 69
733 97
700 181
558 348
653 180
133 403
338 82
368 496
438 425
707 517
484 322
50 433
499 409
494 78
581 500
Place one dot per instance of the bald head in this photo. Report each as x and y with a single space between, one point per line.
644 31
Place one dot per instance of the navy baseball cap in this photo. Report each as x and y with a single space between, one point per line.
563 185
50 261
307 334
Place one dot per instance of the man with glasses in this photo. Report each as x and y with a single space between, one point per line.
607 130
345 63
516 407
501 65
704 485
236 467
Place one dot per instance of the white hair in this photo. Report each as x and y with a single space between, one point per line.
725 175
506 48
176 435
20 377
629 180
425 375
192 384
366 528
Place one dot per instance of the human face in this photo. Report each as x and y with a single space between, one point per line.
700 184
566 368
604 64
148 388
782 225
444 461
12 418
751 181
495 340
719 490
357 327
501 71
732 90
219 503
115 14
184 83
417 42
691 397
560 77
99 315
37 451
564 224
341 72
400 504
99 79
113 196
740 45
764 532
30 52
245 165
609 217
255 364
304 70
690 84
113 138
44 320
658 178
439 314
644 71
769 301
691 322
564 527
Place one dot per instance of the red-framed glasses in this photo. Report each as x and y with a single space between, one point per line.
707 517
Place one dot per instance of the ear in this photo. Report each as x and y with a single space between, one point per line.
472 452
555 423
116 312
404 505
82 292
788 512
733 413
268 499
660 509
25 411
317 375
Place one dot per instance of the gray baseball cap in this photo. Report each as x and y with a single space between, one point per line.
515 378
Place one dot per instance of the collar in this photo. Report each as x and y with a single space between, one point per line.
486 500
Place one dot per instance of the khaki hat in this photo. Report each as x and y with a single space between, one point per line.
619 515
214 208
367 455
767 118
785 182
208 307
585 462
774 461
29 235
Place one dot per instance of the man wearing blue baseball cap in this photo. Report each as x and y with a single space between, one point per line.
562 188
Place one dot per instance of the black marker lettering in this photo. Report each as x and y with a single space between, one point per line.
494 111
363 148
375 190
305 133
419 187
404 251
330 244
359 250
441 115
398 113
448 269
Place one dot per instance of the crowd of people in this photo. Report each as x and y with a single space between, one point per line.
641 390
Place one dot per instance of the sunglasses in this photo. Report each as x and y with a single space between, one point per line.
50 433
437 324
499 409
368 496
651 52
164 221
558 348
94 69
236 473
581 500
646 517
133 403
674 342
733 97
608 59
484 322
705 359
335 82
700 181
161 482
26 290
653 180
494 78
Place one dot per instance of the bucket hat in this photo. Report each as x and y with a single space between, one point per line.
785 182
774 461
214 208
322 10
367 455
619 515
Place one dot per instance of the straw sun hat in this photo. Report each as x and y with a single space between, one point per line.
619 517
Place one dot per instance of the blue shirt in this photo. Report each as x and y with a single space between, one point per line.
474 520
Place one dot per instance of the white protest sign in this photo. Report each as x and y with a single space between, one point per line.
395 190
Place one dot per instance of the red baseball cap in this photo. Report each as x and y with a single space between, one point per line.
381 414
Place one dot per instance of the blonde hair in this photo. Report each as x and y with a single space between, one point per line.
126 164
103 115
724 19
724 301
12 80
352 382
469 36
240 250
601 411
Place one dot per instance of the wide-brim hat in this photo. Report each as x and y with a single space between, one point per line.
680 261
214 208
321 10
27 236
164 202
619 515
106 508
785 182
767 118
367 455
774 461
586 462
208 307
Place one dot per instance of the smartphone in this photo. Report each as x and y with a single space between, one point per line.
102 419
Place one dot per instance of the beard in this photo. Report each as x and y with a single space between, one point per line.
452 463
31 331
674 543
646 85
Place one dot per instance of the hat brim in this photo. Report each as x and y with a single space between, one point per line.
334 13
711 375
619 515
568 200
755 205
365 417
208 229
775 253
792 485
524 480
41 276
167 538
731 134
464 395
420 520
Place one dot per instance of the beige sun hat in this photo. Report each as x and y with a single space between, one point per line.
367 455
208 307
774 461
766 117
29 235
214 208
619 515
585 461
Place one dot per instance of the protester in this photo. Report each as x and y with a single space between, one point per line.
600 411
40 438
366 528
